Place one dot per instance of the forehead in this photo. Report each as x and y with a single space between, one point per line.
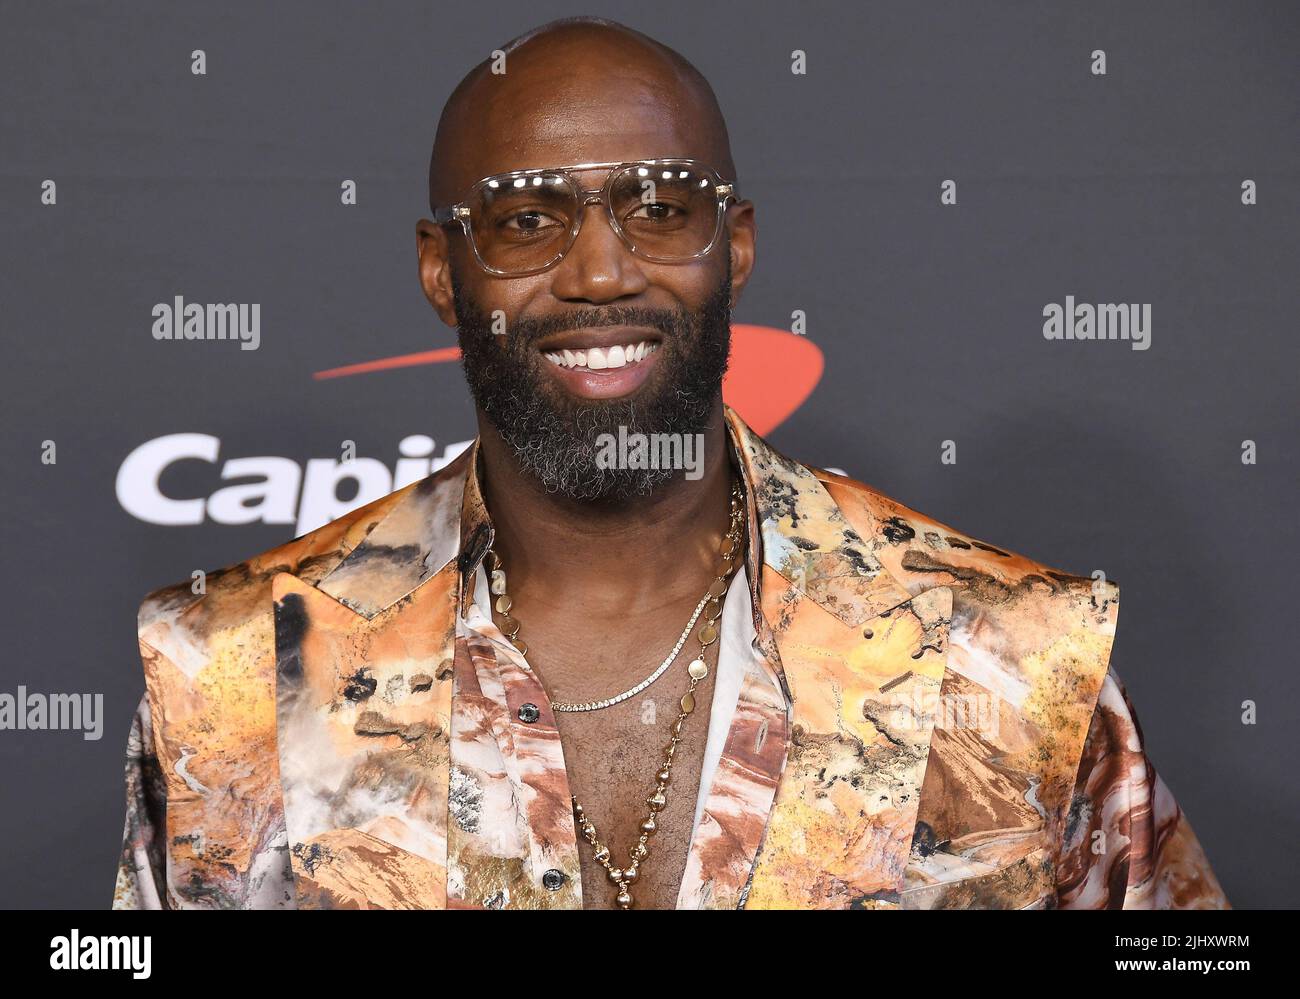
534 120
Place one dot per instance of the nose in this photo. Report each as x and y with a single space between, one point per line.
598 268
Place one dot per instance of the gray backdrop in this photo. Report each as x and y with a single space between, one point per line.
1125 187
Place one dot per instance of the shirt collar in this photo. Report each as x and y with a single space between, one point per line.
476 531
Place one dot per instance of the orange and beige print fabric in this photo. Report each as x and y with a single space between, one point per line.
929 722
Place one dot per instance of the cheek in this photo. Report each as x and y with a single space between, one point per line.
688 285
509 295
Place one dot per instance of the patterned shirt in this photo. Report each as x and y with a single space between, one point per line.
336 723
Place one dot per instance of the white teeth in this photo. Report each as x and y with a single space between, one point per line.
602 358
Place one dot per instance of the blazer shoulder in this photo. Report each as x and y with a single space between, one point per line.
228 596
921 548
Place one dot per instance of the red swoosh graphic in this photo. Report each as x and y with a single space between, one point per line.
388 363
772 372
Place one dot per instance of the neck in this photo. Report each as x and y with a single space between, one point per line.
611 559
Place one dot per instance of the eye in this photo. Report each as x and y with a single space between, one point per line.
528 220
657 211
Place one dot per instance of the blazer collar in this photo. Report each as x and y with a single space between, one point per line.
796 528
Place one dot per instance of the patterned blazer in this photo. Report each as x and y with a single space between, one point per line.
932 723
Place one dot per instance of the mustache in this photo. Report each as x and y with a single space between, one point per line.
668 321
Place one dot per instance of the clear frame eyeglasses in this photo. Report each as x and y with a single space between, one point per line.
523 222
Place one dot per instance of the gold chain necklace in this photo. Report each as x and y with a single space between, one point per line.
503 605
624 877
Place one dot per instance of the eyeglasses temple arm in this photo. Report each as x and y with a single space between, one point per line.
450 213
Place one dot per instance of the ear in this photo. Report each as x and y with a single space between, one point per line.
744 233
434 250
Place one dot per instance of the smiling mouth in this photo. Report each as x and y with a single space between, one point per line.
603 362
618 355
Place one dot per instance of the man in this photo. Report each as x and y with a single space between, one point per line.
479 691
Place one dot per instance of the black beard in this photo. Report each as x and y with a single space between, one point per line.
554 436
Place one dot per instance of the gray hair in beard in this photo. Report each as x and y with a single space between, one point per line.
554 437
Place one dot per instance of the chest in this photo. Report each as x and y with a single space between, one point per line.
613 756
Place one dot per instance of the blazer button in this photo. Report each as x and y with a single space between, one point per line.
529 713
553 880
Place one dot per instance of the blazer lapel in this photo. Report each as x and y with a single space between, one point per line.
363 707
862 711
862 661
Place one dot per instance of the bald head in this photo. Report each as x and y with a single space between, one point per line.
582 90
